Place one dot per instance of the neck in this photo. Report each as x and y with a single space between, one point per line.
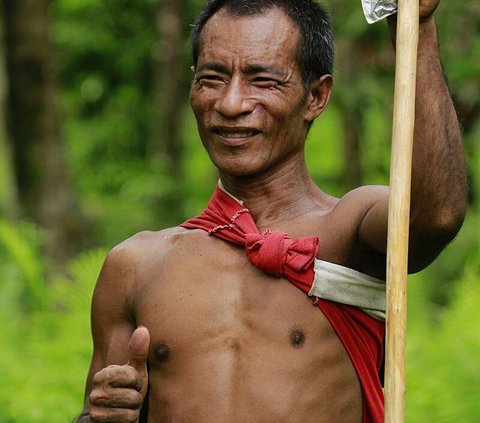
278 195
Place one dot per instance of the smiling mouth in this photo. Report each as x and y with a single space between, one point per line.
236 133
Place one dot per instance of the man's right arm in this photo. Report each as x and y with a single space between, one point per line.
118 379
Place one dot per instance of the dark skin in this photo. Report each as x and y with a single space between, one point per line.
225 342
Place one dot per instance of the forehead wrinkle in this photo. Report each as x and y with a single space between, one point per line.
263 28
252 43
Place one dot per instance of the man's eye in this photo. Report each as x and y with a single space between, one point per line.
264 82
209 79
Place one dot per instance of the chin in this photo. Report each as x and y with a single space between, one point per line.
238 168
238 172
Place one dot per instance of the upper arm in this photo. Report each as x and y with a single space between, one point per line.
373 228
426 238
111 317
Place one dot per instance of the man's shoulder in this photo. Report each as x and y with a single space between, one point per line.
148 239
358 201
147 245
136 260
364 195
340 228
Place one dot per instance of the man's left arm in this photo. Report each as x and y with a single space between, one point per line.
439 182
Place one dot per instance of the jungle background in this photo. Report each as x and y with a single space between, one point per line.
97 142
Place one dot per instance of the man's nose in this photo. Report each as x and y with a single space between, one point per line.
234 99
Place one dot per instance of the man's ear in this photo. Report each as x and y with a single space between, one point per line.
318 97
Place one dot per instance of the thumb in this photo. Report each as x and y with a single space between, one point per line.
138 350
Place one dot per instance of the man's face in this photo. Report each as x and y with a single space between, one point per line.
247 96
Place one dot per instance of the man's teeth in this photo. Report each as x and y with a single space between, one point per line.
240 134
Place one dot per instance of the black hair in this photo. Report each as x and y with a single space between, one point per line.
315 50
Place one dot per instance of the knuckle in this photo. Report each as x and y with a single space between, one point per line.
98 415
131 378
113 415
137 399
115 375
104 374
132 416
116 398
96 396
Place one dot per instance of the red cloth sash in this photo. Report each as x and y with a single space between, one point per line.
273 252
276 254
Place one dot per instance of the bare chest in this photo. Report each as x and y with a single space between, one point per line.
215 296
248 337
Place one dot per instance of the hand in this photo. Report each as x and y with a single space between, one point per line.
119 391
427 7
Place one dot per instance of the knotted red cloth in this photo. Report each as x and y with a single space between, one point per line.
272 252
276 254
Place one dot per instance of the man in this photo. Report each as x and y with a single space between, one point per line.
186 315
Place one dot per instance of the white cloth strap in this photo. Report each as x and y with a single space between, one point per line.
344 285
347 286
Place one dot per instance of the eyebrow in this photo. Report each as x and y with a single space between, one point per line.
218 67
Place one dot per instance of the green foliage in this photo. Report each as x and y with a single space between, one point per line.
324 157
23 271
46 348
443 381
106 53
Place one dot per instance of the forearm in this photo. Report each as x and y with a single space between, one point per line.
439 183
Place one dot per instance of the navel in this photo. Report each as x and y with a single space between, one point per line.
297 337
162 352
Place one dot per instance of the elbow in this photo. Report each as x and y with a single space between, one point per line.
439 224
429 237
445 227
450 222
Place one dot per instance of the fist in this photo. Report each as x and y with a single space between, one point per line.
427 7
119 391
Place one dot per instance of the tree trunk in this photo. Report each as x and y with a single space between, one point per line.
45 192
352 114
8 189
171 90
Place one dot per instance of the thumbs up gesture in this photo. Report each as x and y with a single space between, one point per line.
119 391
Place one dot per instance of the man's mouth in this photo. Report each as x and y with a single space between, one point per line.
235 133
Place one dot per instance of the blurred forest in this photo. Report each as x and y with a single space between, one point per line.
97 142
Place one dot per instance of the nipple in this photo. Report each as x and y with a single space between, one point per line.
162 352
297 337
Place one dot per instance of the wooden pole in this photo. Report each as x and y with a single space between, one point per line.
399 208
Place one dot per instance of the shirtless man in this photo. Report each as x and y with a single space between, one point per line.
185 314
